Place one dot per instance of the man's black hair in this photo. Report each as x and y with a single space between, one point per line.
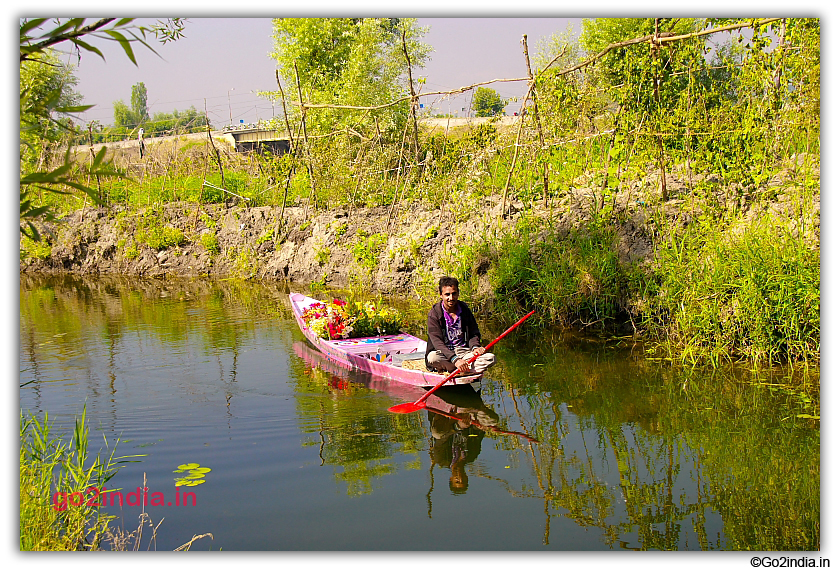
447 282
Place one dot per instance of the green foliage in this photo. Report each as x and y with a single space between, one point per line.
322 254
487 102
43 100
139 102
152 231
368 249
349 61
58 509
752 292
47 95
575 280
210 242
31 249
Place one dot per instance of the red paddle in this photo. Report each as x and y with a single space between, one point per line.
409 407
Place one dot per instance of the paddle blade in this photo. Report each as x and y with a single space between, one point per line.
407 408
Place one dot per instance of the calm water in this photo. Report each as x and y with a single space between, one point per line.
569 445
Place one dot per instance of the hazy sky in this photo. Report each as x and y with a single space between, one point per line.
225 61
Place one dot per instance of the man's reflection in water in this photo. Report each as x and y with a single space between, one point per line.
456 438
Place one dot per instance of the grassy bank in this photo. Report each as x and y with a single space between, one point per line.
715 287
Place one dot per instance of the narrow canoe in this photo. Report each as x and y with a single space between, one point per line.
381 356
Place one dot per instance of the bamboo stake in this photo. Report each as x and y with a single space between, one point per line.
537 117
285 112
414 99
312 195
213 144
655 45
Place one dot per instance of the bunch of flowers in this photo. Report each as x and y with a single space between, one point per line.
329 320
339 319
372 318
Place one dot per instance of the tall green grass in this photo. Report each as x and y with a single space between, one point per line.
54 477
751 292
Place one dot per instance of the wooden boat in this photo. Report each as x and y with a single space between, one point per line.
399 357
398 390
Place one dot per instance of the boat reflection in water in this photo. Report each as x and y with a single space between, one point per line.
458 417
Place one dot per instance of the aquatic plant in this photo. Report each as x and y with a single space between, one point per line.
59 485
194 475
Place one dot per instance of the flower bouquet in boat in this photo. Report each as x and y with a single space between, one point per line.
367 336
340 319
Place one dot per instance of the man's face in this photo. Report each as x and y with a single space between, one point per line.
449 296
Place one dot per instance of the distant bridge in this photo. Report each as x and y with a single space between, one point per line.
254 137
250 137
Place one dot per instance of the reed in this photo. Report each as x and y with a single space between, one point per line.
752 292
54 477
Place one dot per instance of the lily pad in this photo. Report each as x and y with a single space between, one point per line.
188 466
189 483
201 470
194 476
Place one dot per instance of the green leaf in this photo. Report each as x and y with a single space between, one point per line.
188 483
188 466
31 25
124 43
88 47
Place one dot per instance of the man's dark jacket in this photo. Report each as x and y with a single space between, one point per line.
437 330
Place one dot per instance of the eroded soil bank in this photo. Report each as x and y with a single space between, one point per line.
401 249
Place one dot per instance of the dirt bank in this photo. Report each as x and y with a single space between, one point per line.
401 250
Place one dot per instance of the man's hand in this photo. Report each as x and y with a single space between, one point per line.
479 350
461 365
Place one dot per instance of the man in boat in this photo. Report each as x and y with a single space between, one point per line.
453 334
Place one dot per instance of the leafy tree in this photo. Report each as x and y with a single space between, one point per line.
139 102
176 122
137 115
43 77
487 102
124 117
349 61
46 107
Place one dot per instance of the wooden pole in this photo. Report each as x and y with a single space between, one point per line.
537 117
414 100
215 150
312 195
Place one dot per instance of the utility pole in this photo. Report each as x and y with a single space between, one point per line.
230 111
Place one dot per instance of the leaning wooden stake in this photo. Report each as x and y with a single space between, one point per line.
215 150
313 199
414 100
537 117
285 112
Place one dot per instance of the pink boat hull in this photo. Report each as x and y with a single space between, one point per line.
379 356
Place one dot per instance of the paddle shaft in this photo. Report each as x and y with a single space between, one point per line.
481 427
471 360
